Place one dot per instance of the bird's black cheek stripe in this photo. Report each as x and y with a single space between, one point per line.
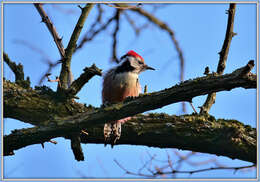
125 67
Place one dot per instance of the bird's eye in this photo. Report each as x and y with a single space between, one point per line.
140 62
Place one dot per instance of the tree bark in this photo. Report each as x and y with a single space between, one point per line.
200 133
54 118
42 106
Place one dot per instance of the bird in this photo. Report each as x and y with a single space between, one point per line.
119 83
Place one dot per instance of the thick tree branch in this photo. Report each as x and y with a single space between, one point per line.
201 133
35 106
223 54
51 28
61 119
65 70
50 109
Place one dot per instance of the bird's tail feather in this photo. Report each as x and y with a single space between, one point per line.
112 133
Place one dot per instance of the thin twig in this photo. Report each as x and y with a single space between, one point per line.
50 67
133 25
91 34
223 54
159 171
193 108
115 38
32 47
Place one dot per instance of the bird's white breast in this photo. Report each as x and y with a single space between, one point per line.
126 79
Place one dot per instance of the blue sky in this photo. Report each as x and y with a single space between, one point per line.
200 30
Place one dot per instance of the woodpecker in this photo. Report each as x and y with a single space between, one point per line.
118 83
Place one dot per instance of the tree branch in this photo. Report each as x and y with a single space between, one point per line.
161 172
17 69
18 72
201 133
92 33
19 107
115 37
223 54
51 28
83 79
61 119
65 70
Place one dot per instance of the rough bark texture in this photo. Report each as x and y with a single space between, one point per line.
35 106
83 79
41 107
18 72
20 103
200 133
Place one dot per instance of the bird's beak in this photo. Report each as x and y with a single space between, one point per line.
148 67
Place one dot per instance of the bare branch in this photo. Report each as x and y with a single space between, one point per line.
161 172
51 66
229 35
91 34
134 26
45 56
114 36
65 70
37 50
76 147
17 69
51 28
223 54
83 79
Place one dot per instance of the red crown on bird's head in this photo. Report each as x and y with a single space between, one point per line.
134 54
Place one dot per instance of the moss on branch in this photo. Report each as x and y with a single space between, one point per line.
36 106
18 71
43 107
200 133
